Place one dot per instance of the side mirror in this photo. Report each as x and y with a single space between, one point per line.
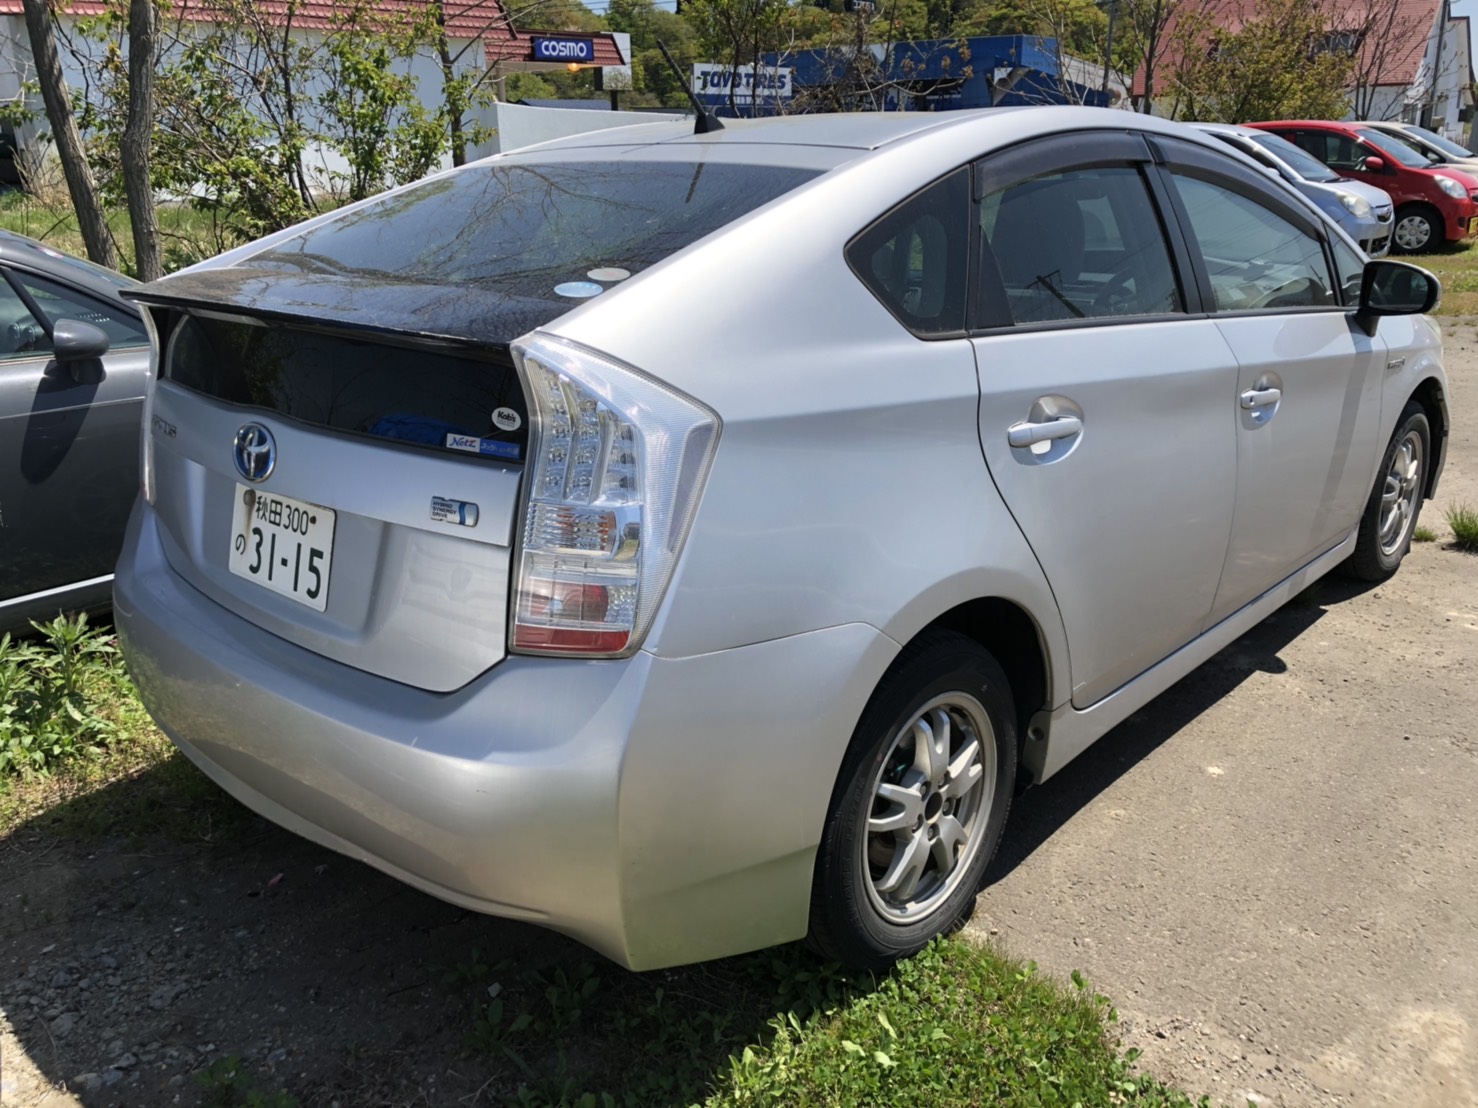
75 341
1395 288
1373 164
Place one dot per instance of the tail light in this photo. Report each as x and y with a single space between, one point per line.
617 462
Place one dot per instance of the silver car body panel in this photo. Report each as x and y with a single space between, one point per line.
859 493
409 597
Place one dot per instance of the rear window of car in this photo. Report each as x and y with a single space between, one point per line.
546 231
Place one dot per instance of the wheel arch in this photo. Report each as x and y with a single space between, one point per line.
1015 639
1431 395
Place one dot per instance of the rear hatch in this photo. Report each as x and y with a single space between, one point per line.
381 535
369 355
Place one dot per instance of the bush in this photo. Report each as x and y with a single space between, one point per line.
48 710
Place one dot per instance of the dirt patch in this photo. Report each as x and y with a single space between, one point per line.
1271 869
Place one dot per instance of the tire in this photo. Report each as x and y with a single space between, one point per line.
1396 501
1417 229
862 910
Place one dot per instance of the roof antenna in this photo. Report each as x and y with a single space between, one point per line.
706 120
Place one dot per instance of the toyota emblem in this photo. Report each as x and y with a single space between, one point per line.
255 452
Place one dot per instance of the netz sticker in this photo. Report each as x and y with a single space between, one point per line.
453 511
490 448
506 419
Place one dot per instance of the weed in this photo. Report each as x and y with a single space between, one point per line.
226 1084
1423 533
955 1011
49 693
1463 519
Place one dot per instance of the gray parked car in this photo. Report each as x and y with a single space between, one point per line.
1364 211
687 541
74 357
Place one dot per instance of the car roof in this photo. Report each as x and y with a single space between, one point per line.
1222 128
20 250
850 130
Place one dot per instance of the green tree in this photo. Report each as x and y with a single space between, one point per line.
647 24
1281 63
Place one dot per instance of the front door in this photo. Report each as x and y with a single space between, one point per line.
1103 413
68 440
1308 385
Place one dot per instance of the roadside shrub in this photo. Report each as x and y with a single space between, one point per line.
48 694
1463 519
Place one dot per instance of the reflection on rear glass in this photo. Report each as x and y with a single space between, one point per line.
524 229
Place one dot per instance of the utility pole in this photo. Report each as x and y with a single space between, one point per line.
1431 98
1108 46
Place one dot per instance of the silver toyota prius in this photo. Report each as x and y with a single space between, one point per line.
691 541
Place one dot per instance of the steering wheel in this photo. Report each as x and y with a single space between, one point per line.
1117 285
1301 292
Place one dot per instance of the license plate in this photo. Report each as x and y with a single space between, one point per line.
1473 225
283 544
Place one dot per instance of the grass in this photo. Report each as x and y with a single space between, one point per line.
70 726
1423 533
1456 266
1463 519
187 234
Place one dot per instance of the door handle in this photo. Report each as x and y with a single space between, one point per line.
1028 434
1253 399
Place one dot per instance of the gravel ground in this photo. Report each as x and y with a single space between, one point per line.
1271 870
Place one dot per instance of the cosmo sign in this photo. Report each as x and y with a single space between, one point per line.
548 48
748 82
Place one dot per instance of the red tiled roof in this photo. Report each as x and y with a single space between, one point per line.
1397 62
464 18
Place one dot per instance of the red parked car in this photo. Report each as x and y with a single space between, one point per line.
1434 204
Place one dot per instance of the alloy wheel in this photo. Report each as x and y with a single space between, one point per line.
1399 493
931 802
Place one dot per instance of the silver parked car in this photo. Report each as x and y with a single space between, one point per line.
687 541
1438 149
1363 211
74 359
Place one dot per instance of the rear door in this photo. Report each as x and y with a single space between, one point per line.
1104 399
69 437
1308 382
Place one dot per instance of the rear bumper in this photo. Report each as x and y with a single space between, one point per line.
660 810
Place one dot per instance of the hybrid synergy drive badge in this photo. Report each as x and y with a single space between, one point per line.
444 510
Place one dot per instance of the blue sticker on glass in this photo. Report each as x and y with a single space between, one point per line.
579 290
495 449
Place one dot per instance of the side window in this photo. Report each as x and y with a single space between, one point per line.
1351 269
61 302
913 258
1081 244
21 334
1255 257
